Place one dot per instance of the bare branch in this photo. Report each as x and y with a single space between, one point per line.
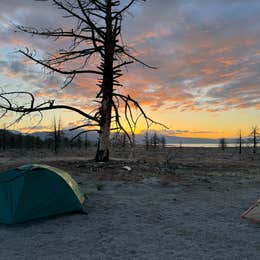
122 50
148 119
118 122
81 126
48 105
59 70
56 33
119 13
83 132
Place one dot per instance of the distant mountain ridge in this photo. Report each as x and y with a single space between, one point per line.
92 136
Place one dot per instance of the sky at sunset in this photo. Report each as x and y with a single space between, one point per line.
207 53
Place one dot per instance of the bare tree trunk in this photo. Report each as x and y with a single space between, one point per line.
56 135
4 138
240 143
102 154
133 147
254 132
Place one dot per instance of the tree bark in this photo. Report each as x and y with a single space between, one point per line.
103 149
102 154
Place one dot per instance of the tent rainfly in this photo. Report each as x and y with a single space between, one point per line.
35 191
253 213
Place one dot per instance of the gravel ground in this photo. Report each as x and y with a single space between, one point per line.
198 219
188 209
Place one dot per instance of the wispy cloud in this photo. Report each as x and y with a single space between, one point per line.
207 54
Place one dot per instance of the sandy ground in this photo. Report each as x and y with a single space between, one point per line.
179 209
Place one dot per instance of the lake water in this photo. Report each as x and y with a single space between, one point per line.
199 145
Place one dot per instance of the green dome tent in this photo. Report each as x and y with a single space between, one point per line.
34 191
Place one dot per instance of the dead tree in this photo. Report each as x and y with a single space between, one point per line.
146 141
56 135
163 141
254 133
240 142
96 36
155 140
222 144
3 137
